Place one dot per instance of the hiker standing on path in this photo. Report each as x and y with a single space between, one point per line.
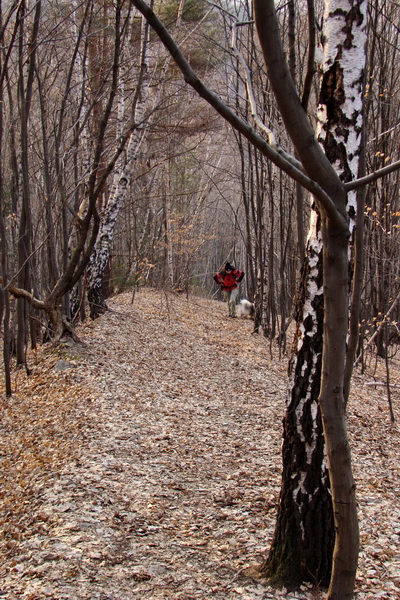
228 278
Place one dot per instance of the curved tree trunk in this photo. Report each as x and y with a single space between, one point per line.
340 115
59 324
333 410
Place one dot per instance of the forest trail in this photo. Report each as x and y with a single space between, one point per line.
145 462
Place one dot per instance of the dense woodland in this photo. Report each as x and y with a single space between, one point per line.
100 134
115 174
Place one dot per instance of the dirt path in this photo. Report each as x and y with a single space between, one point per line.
157 463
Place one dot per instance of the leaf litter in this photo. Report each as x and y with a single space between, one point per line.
145 461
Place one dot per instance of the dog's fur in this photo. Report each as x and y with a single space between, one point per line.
245 309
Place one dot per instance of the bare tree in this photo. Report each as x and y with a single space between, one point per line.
100 257
25 88
58 152
4 294
382 199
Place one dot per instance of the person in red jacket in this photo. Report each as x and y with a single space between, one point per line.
228 278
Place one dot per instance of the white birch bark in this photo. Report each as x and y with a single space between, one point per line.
122 176
120 185
340 123
341 119
80 75
339 133
339 127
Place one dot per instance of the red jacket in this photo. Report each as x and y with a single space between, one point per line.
229 281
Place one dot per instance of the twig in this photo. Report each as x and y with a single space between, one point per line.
371 339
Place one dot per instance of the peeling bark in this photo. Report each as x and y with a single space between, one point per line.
302 545
100 258
340 115
101 253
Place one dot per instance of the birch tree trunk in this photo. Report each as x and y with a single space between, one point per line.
341 114
100 257
303 540
322 339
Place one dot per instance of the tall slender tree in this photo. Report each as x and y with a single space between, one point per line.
100 257
305 514
5 311
27 45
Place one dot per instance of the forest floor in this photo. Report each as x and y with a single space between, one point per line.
144 463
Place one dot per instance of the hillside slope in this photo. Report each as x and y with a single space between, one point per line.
145 462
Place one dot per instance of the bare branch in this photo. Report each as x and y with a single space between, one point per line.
383 321
311 55
248 132
253 105
357 183
21 293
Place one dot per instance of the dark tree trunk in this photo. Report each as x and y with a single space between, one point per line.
332 403
59 325
25 228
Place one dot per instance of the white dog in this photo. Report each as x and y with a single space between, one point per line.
245 309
